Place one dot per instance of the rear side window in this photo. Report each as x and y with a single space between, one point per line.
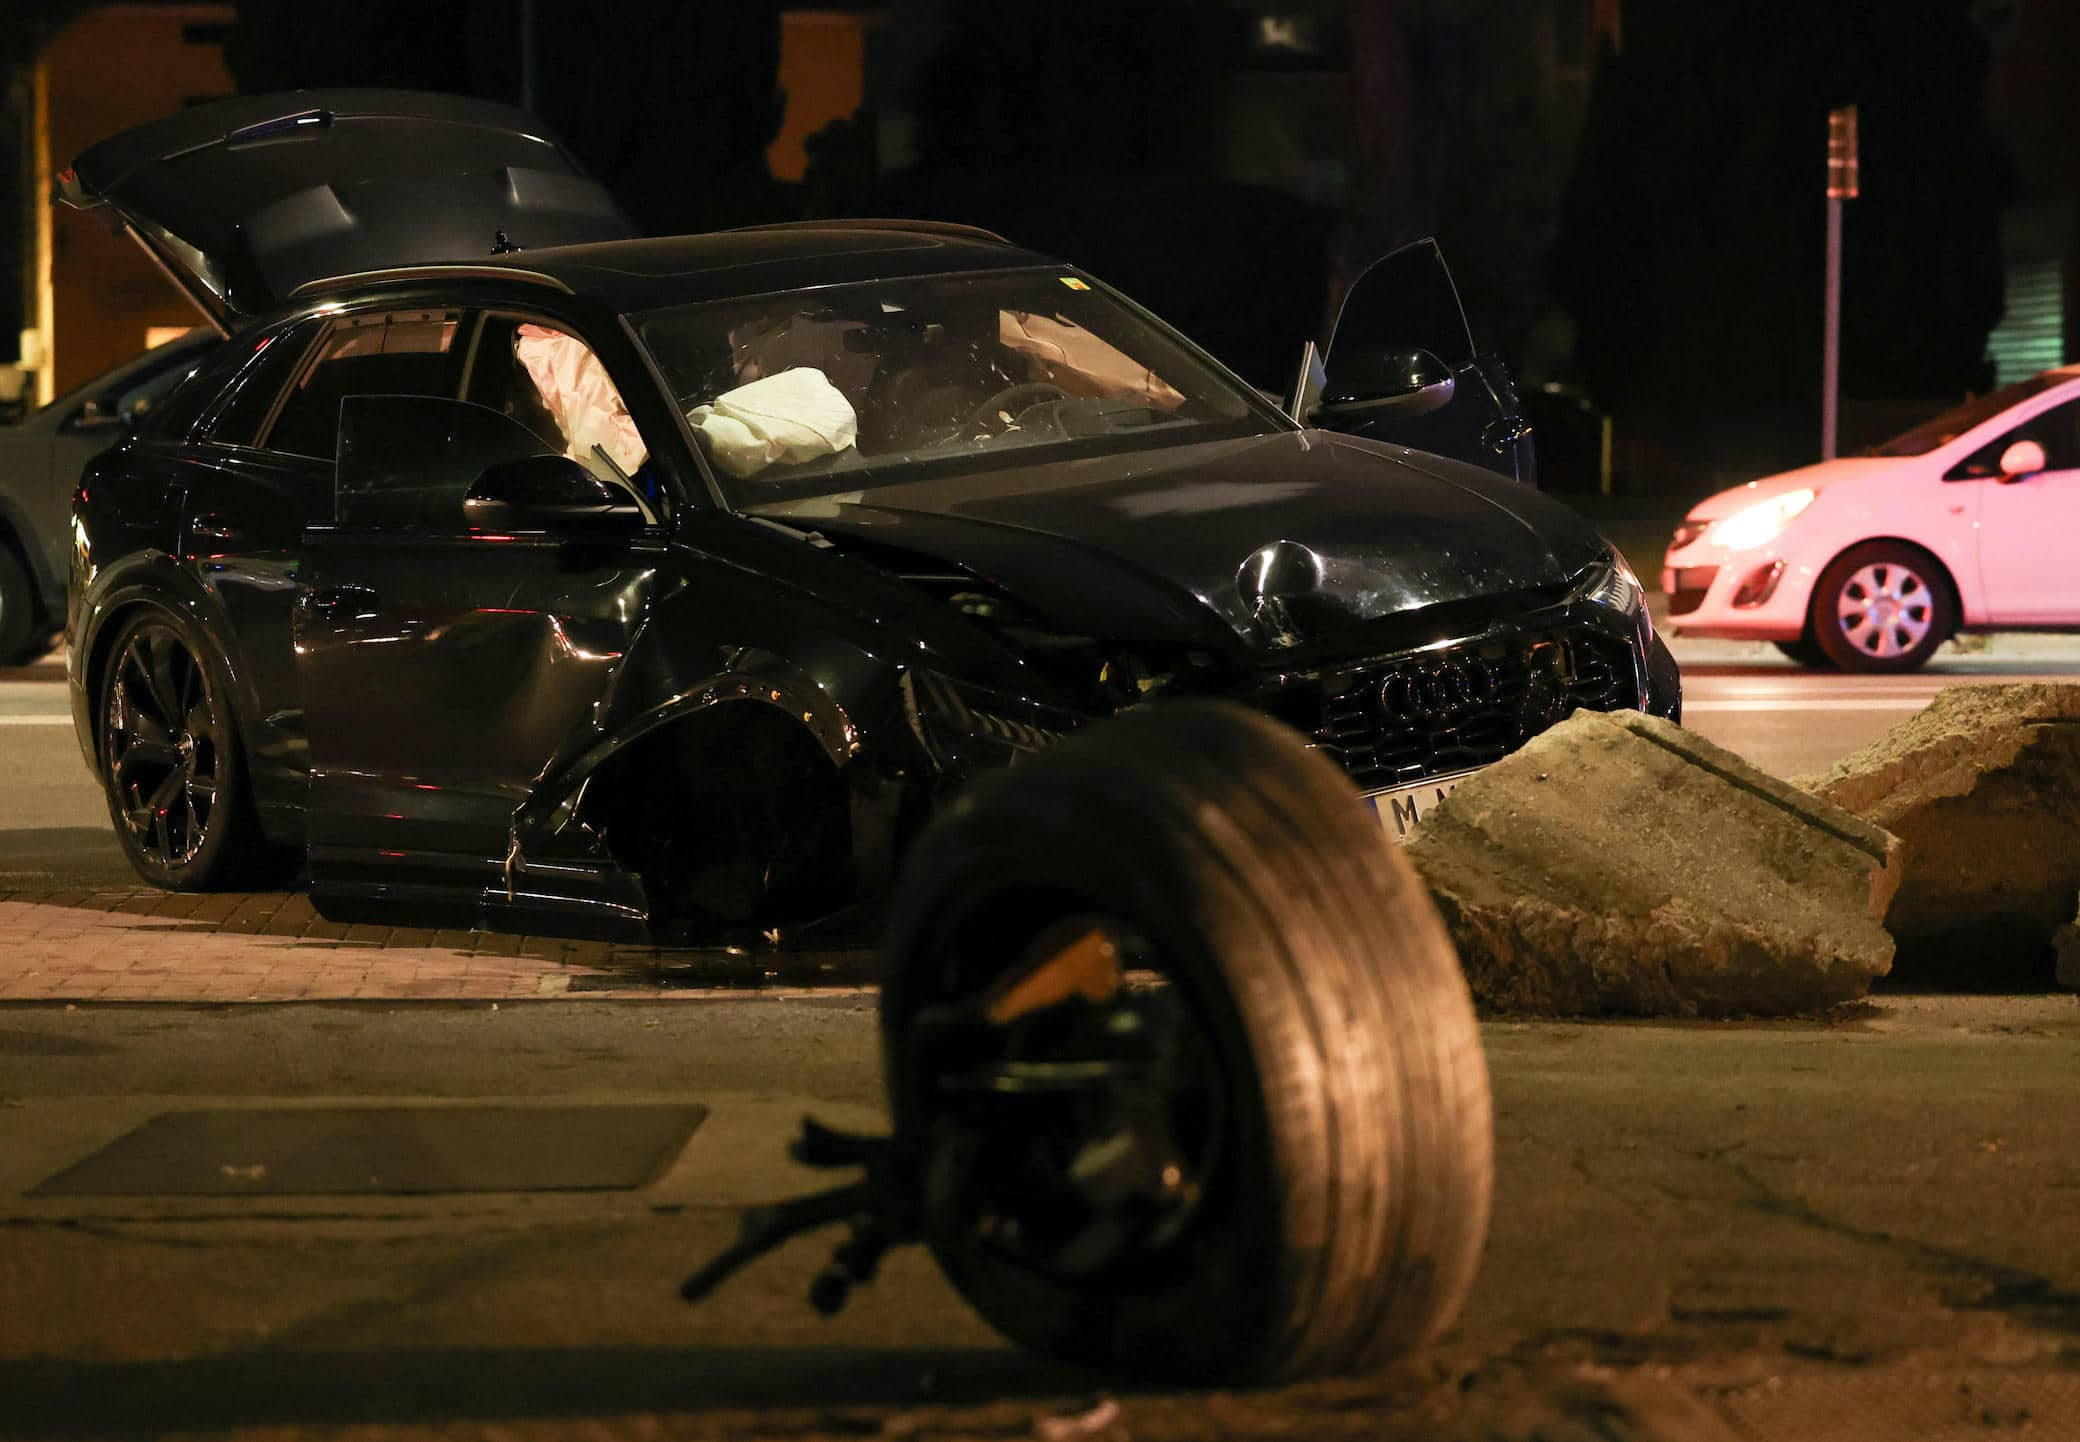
252 395
174 414
397 353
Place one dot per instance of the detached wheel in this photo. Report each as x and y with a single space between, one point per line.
170 759
23 636
1186 1059
1882 606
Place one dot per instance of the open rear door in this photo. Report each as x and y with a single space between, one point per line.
1401 366
242 201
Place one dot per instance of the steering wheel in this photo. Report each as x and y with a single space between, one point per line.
1013 400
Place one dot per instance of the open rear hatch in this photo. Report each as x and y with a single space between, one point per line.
244 200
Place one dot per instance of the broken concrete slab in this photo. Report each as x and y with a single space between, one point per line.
1618 863
1984 788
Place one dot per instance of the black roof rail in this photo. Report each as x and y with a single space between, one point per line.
461 270
922 227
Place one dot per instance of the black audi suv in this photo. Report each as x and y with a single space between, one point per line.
512 569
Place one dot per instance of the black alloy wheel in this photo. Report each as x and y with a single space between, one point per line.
169 757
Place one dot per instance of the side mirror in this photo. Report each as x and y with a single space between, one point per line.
1373 380
98 415
547 493
2023 459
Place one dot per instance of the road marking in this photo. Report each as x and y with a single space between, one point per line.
35 720
1790 704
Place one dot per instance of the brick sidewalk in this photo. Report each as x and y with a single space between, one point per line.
136 944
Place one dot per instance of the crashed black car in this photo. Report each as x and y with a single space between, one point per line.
515 569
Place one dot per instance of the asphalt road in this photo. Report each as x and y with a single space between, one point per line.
1793 722
1701 1233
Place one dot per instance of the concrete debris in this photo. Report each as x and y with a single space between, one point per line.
1618 863
1984 788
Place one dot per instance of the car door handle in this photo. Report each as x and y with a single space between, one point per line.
334 601
212 527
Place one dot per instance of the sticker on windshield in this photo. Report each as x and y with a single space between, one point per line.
1074 284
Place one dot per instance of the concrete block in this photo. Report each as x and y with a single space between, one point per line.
1620 864
1984 788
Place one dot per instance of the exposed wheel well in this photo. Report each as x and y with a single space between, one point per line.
735 815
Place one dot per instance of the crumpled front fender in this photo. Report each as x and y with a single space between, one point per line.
757 678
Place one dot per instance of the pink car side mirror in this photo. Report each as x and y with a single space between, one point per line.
2023 459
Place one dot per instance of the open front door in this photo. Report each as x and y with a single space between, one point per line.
1401 366
451 644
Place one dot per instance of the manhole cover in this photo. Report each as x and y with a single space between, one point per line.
297 1151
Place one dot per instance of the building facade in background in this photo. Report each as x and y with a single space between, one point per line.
92 299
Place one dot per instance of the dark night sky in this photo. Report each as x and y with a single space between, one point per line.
1688 244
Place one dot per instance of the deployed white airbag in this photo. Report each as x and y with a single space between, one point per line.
793 416
580 398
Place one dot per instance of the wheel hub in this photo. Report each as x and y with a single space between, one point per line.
1886 610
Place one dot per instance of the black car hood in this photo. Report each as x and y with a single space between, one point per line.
1275 539
243 200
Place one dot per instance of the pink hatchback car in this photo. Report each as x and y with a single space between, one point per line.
1870 562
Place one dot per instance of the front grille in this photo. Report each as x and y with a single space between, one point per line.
1400 719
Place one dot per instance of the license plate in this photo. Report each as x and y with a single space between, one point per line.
1401 807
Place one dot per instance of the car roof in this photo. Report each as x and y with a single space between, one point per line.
633 275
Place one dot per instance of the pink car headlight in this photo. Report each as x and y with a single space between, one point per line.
1758 524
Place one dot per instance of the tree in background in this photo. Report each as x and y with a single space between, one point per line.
1692 247
1406 60
1090 129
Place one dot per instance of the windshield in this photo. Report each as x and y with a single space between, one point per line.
847 387
1951 424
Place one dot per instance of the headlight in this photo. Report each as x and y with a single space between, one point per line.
1611 583
1754 525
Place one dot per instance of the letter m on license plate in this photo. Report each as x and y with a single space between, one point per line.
1401 807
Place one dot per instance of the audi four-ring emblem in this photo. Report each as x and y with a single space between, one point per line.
1437 690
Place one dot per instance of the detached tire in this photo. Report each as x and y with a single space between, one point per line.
1342 1149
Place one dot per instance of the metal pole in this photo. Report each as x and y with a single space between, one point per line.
1831 355
527 55
1843 182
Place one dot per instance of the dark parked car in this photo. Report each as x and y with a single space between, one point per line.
40 464
514 567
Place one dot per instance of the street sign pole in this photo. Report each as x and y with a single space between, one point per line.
1841 185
